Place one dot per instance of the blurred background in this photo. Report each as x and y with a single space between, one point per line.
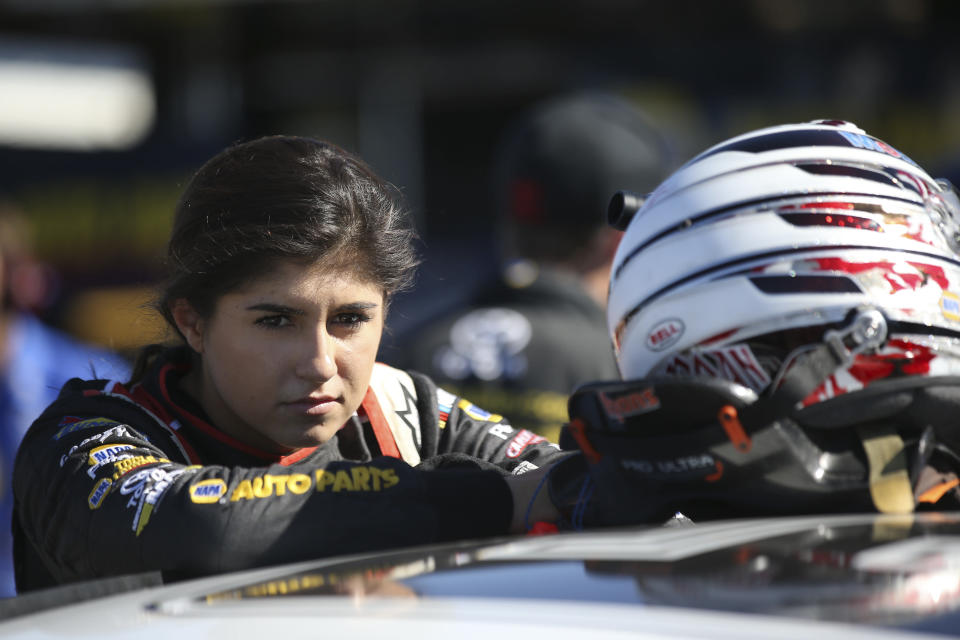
107 106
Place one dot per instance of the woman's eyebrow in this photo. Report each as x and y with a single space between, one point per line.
280 308
276 308
358 306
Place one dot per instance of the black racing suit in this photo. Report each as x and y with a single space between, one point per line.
113 480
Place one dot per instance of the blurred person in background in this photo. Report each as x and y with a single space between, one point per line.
536 332
36 359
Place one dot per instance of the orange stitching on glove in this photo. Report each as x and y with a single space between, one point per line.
578 431
716 475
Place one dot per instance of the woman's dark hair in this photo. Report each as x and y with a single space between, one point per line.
282 197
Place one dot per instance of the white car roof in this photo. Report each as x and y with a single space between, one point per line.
850 576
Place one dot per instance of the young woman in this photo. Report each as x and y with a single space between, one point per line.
270 435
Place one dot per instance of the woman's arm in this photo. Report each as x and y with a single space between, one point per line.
107 498
452 424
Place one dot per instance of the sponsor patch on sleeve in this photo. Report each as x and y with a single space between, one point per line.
106 454
367 478
145 490
524 467
477 413
126 464
72 424
445 401
208 491
521 441
100 491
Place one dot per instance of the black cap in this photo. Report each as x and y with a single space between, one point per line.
562 161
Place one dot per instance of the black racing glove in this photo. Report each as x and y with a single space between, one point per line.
646 448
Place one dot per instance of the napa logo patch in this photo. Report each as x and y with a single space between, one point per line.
208 491
100 456
665 334
950 306
100 491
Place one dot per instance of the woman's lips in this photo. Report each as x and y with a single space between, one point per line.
314 406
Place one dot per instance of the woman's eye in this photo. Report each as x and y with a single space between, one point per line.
273 322
352 319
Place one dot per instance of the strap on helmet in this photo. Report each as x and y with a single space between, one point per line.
865 332
890 486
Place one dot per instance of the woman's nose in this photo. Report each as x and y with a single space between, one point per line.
318 361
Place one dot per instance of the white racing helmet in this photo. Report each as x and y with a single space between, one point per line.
785 229
806 276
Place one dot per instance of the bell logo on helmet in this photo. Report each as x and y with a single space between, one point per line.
665 334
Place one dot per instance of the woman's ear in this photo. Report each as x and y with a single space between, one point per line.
189 322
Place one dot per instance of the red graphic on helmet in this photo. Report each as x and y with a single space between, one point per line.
893 272
898 358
